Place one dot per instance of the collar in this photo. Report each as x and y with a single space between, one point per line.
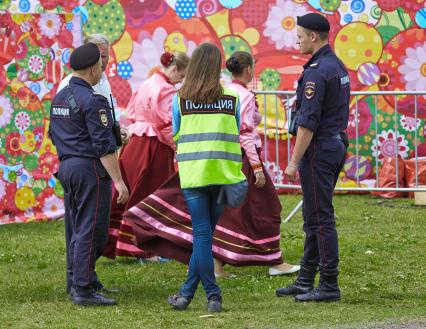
165 77
239 82
80 81
321 52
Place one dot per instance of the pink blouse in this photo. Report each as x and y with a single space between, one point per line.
150 110
250 119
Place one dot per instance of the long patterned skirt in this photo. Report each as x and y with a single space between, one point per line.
145 164
248 235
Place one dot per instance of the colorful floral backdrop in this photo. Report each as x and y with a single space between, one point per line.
383 44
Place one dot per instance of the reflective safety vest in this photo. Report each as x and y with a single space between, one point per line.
208 143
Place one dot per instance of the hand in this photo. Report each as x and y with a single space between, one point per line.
123 192
291 172
260 179
125 135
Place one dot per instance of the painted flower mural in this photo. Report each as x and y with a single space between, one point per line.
2 189
276 173
5 111
413 69
390 144
409 123
382 43
281 23
53 207
49 25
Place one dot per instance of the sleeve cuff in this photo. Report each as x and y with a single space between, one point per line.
305 122
107 151
257 167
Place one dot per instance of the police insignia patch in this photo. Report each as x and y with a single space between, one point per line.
309 89
103 117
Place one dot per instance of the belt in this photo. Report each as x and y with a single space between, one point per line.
338 136
66 157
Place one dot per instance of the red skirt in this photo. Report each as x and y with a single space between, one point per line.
145 164
248 235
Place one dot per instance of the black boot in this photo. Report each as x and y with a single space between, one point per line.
303 284
87 296
327 291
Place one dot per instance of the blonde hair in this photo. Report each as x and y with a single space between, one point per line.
98 39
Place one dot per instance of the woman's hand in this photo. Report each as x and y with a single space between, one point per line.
125 135
260 179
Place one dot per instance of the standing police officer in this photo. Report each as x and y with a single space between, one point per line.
81 128
103 87
322 108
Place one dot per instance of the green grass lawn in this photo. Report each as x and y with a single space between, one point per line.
383 278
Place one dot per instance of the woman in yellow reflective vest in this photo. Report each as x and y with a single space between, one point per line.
206 124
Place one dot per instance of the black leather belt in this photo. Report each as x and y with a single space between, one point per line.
338 136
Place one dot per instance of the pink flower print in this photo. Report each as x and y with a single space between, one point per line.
388 146
6 110
53 207
409 123
35 64
274 172
281 23
49 25
414 68
2 189
22 121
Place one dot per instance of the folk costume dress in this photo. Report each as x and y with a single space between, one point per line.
146 162
248 235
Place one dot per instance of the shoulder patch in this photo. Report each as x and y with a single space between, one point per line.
103 118
309 89
344 80
60 112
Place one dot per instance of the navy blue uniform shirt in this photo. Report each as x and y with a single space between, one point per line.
87 133
323 93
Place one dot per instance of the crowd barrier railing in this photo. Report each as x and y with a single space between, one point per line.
287 98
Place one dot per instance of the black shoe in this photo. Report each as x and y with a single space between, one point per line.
71 292
101 290
303 284
319 295
92 298
178 302
99 287
104 290
214 305
293 290
328 288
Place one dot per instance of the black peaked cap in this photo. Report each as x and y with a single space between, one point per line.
84 56
313 21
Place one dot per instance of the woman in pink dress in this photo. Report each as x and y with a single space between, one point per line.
248 235
147 161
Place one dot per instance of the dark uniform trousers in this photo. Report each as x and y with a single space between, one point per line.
319 170
87 194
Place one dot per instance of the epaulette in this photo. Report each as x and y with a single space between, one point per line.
95 93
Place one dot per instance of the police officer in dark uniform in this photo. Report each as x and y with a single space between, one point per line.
322 112
81 129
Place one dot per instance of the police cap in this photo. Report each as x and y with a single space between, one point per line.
314 22
84 56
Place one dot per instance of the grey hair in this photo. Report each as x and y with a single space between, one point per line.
98 39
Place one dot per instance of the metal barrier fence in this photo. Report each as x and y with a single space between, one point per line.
287 96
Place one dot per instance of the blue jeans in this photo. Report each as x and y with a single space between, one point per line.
205 213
